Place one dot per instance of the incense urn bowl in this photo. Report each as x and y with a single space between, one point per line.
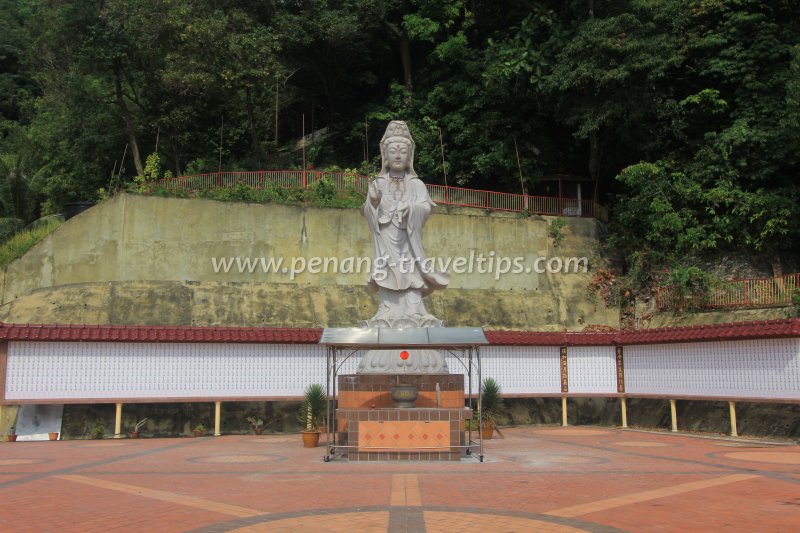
404 395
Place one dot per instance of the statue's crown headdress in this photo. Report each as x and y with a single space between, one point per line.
397 131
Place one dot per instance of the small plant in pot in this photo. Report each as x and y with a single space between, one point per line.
311 414
12 435
492 405
198 430
137 427
257 424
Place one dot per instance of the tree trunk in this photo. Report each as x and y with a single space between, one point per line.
129 126
405 57
595 154
277 111
252 121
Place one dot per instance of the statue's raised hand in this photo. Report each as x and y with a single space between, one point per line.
375 193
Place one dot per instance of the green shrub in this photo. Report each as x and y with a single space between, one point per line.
691 285
794 311
556 230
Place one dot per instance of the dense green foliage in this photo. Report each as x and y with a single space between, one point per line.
685 114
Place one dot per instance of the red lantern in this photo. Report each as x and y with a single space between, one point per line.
404 355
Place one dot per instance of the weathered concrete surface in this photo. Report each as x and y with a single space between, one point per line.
145 260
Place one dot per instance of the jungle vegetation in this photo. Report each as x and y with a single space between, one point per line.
684 114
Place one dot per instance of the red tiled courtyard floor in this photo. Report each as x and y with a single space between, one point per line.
534 479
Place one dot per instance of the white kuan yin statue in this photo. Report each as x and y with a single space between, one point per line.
396 208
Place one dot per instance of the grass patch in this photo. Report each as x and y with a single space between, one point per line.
321 194
16 246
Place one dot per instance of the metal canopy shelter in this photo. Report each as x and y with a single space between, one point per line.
342 343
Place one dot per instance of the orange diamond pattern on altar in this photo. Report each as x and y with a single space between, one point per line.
416 435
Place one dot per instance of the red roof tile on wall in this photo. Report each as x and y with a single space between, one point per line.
716 332
43 332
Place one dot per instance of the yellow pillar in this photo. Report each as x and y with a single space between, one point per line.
217 412
732 408
674 414
624 407
564 411
118 422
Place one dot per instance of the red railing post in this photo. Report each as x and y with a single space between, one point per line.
219 180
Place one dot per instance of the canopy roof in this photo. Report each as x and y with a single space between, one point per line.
403 337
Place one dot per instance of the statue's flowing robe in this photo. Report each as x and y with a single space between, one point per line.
399 261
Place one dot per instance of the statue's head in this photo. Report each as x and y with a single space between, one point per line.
397 146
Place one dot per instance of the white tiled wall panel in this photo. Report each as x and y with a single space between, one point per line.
768 368
521 369
592 369
44 370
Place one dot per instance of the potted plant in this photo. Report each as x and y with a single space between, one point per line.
257 424
311 413
492 405
137 427
12 436
198 430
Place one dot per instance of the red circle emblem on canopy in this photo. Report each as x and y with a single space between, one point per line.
404 355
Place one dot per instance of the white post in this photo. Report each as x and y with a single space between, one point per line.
217 412
118 422
564 411
624 407
674 415
732 408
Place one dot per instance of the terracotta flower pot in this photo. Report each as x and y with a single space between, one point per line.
310 439
53 435
11 438
259 431
198 433
134 434
488 429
